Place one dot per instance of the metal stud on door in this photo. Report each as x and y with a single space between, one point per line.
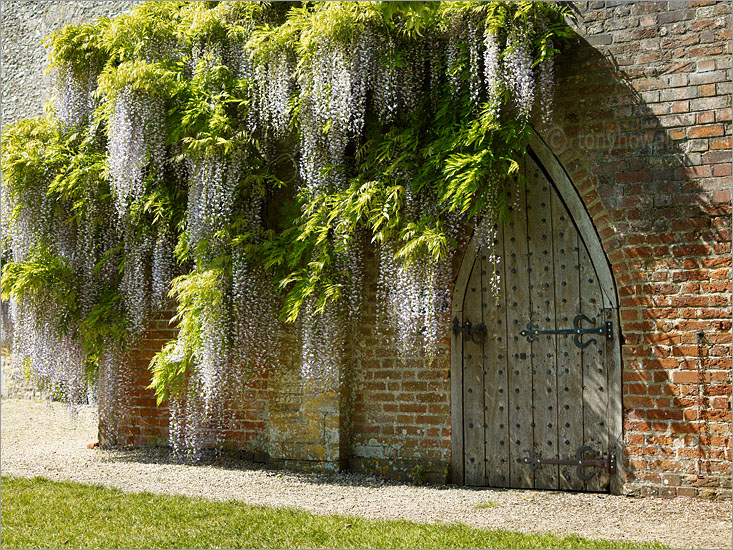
534 383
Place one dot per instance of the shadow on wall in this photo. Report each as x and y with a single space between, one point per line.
646 142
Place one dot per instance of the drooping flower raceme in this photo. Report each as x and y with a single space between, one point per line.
183 187
518 72
76 101
136 148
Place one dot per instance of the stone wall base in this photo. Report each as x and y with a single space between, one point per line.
417 471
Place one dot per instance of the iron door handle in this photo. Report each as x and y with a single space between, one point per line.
470 330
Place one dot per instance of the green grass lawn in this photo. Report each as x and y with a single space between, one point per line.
38 513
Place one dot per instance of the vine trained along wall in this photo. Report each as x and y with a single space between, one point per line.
26 89
236 158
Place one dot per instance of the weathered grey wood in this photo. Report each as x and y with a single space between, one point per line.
579 214
456 396
591 417
615 420
595 387
474 450
495 366
519 384
569 361
464 272
542 300
457 417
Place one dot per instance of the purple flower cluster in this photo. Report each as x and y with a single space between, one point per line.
136 145
518 73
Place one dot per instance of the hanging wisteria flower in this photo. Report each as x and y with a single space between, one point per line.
255 330
274 85
76 100
323 346
492 70
214 180
547 86
136 146
114 388
210 155
518 73
56 362
162 269
135 284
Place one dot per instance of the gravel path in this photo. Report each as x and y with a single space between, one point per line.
39 439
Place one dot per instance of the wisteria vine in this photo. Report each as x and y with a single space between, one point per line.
239 162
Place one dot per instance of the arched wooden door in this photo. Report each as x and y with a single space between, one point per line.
537 394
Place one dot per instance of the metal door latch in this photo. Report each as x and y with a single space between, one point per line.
470 330
606 329
585 457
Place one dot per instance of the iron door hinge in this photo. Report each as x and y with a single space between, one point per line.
531 332
585 457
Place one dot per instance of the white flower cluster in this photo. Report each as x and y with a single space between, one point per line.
210 364
547 86
274 84
114 383
322 347
351 266
75 100
518 73
25 220
213 182
414 301
395 89
135 283
56 362
325 116
188 423
336 88
491 67
255 327
136 147
492 70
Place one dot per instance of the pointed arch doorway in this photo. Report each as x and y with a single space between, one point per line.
536 394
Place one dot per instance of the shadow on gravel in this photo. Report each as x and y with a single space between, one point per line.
235 462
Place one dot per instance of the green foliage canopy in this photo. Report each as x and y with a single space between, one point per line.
443 128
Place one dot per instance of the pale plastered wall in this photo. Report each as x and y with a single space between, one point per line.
26 88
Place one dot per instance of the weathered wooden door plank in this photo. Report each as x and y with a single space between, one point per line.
496 414
456 395
595 386
615 419
542 301
519 390
569 364
474 449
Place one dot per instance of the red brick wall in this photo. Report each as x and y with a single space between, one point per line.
401 405
643 127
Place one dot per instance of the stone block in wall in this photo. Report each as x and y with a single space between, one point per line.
303 425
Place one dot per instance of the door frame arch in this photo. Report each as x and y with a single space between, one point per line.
558 177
